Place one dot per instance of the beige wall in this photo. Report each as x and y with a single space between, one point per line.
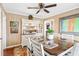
56 18
13 38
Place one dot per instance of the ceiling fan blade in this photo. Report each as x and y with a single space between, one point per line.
37 11
50 6
33 7
46 10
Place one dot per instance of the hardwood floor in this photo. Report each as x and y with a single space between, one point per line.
9 52
16 51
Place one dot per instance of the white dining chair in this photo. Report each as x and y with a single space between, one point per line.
67 42
69 38
75 51
37 48
27 42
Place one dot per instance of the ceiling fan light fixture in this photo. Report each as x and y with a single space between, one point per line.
42 6
30 17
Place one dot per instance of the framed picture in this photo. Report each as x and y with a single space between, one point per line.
14 26
49 25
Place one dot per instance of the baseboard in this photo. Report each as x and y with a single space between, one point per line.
13 46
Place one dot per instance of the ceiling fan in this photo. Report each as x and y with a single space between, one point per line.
42 6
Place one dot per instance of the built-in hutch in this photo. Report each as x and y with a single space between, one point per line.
31 28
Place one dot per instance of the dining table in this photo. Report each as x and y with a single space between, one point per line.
58 50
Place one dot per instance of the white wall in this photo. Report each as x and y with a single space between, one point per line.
0 22
2 31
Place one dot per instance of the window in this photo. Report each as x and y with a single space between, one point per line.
69 24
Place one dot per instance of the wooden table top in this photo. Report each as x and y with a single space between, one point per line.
55 51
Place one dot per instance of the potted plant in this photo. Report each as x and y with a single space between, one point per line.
50 35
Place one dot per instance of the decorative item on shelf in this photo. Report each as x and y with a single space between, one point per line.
30 17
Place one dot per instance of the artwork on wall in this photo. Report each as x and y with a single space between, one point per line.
14 26
48 25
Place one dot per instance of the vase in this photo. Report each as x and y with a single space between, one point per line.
50 39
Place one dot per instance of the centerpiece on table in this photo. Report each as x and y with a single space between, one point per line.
50 36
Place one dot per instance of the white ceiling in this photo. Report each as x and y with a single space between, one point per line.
21 8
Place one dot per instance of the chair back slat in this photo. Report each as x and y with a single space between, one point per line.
37 48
